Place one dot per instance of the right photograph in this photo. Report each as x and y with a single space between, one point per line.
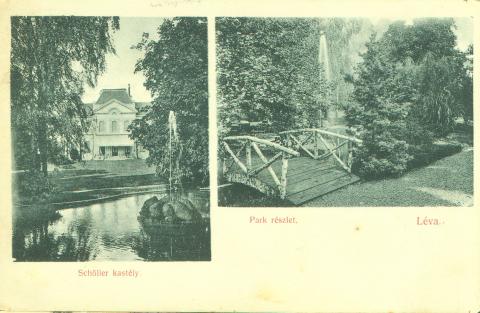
343 112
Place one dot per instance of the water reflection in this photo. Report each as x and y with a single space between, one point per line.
156 246
107 231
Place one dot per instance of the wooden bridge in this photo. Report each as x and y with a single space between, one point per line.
295 165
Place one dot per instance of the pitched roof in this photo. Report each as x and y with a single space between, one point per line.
120 95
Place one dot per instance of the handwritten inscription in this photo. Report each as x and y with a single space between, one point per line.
273 220
172 3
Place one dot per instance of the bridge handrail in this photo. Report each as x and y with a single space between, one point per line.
247 170
322 131
264 142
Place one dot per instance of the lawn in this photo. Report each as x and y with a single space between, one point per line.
94 180
120 167
446 182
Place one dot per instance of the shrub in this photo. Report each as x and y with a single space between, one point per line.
60 159
380 157
35 186
427 154
382 128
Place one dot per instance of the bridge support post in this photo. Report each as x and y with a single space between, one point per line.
248 152
350 155
283 180
339 151
235 158
316 144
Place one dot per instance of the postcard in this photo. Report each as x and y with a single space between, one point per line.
293 156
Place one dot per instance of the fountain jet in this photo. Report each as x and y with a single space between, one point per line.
323 55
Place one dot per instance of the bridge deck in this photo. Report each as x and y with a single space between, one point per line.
307 178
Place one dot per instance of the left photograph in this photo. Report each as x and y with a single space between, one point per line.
109 126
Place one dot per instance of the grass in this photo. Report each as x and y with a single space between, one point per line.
119 167
446 182
92 180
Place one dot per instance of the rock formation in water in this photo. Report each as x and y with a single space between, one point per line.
169 211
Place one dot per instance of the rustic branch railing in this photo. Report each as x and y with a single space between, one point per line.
320 140
249 142
318 144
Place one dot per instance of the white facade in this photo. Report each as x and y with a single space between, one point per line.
108 136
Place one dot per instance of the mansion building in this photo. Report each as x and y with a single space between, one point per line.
108 136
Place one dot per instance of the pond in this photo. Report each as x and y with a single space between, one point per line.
107 231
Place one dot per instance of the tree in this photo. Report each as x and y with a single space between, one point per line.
443 91
380 113
51 59
410 87
268 71
427 35
466 91
176 71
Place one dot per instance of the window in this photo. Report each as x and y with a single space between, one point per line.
125 125
114 151
102 150
101 127
114 127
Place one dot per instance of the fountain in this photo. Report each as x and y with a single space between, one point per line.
173 212
324 62
323 55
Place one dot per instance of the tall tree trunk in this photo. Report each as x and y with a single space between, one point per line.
80 149
43 148
35 165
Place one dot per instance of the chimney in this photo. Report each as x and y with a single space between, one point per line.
129 90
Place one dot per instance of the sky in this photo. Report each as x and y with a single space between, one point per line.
120 67
464 32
